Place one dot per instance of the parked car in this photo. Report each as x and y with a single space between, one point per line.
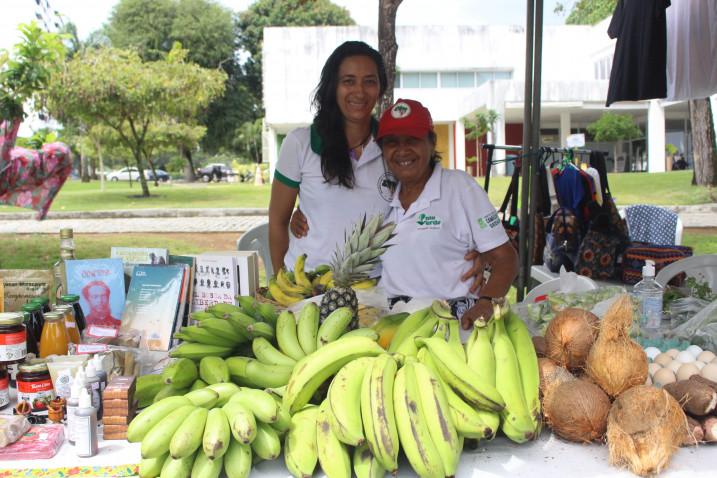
124 174
162 175
215 171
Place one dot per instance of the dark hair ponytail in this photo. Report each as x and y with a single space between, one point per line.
335 160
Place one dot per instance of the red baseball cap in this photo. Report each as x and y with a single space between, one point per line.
407 117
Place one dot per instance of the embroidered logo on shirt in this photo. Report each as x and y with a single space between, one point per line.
426 221
489 222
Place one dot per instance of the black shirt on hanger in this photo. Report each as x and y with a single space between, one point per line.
639 66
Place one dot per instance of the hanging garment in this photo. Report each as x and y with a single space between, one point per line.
31 178
593 173
691 49
639 65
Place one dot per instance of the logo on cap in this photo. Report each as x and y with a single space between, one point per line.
400 110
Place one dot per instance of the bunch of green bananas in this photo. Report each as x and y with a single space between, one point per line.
221 426
288 288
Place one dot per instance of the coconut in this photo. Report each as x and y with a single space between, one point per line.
577 410
569 337
539 344
615 362
645 427
552 374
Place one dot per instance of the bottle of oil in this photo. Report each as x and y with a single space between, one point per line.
67 251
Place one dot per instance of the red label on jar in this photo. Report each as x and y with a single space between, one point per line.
4 382
34 387
13 338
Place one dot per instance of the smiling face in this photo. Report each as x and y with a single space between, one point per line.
358 88
408 157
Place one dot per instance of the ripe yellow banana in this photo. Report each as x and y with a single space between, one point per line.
282 279
437 413
364 284
286 336
527 361
344 401
300 454
307 327
481 358
188 437
365 465
333 455
284 298
300 276
326 278
215 440
377 412
412 426
517 421
456 373
311 371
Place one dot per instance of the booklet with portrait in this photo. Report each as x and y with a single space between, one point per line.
100 285
153 304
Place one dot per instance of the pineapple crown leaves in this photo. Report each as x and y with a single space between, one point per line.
362 249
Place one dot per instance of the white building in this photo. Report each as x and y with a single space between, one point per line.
459 70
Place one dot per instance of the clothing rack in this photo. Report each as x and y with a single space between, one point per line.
529 196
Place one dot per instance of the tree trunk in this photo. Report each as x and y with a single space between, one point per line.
93 168
84 169
142 179
189 167
704 150
388 47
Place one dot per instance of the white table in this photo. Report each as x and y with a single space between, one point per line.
549 456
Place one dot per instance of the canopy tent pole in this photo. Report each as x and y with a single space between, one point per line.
531 137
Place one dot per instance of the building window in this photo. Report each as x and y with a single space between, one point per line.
429 80
449 79
410 80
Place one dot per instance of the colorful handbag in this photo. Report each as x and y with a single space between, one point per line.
637 253
597 255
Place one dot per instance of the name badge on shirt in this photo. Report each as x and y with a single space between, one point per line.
489 222
426 221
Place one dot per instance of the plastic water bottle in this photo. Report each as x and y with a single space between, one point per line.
649 294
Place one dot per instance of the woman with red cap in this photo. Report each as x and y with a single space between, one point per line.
440 216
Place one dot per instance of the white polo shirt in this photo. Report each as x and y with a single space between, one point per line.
330 209
451 217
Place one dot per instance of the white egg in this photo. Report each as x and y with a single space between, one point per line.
663 359
709 371
652 352
685 357
653 368
706 356
699 364
675 366
663 377
695 350
687 370
672 352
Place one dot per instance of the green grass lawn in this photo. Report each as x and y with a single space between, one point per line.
672 188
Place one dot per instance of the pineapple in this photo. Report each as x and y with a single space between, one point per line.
360 255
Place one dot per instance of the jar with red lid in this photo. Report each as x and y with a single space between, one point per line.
34 386
13 338
4 388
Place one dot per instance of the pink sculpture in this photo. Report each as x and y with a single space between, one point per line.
30 178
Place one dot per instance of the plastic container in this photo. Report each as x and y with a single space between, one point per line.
34 386
54 339
13 345
649 294
101 374
85 427
72 404
93 382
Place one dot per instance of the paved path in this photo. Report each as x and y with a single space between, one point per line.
212 220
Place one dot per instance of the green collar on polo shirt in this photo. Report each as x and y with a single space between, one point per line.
317 143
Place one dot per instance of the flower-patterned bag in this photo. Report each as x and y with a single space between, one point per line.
597 255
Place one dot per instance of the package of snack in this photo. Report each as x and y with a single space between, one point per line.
40 442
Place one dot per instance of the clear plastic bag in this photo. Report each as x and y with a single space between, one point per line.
12 427
701 329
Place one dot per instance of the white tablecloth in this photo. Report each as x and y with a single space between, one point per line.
547 457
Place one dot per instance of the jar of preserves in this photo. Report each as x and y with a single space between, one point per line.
54 338
34 385
4 388
34 322
74 301
13 345
70 323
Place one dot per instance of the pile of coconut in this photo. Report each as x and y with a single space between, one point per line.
593 384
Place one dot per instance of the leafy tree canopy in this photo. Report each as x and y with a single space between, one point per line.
614 127
587 12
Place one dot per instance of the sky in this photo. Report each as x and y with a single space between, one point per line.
89 15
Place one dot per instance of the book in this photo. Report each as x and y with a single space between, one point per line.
215 281
187 286
100 285
247 263
132 256
152 304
